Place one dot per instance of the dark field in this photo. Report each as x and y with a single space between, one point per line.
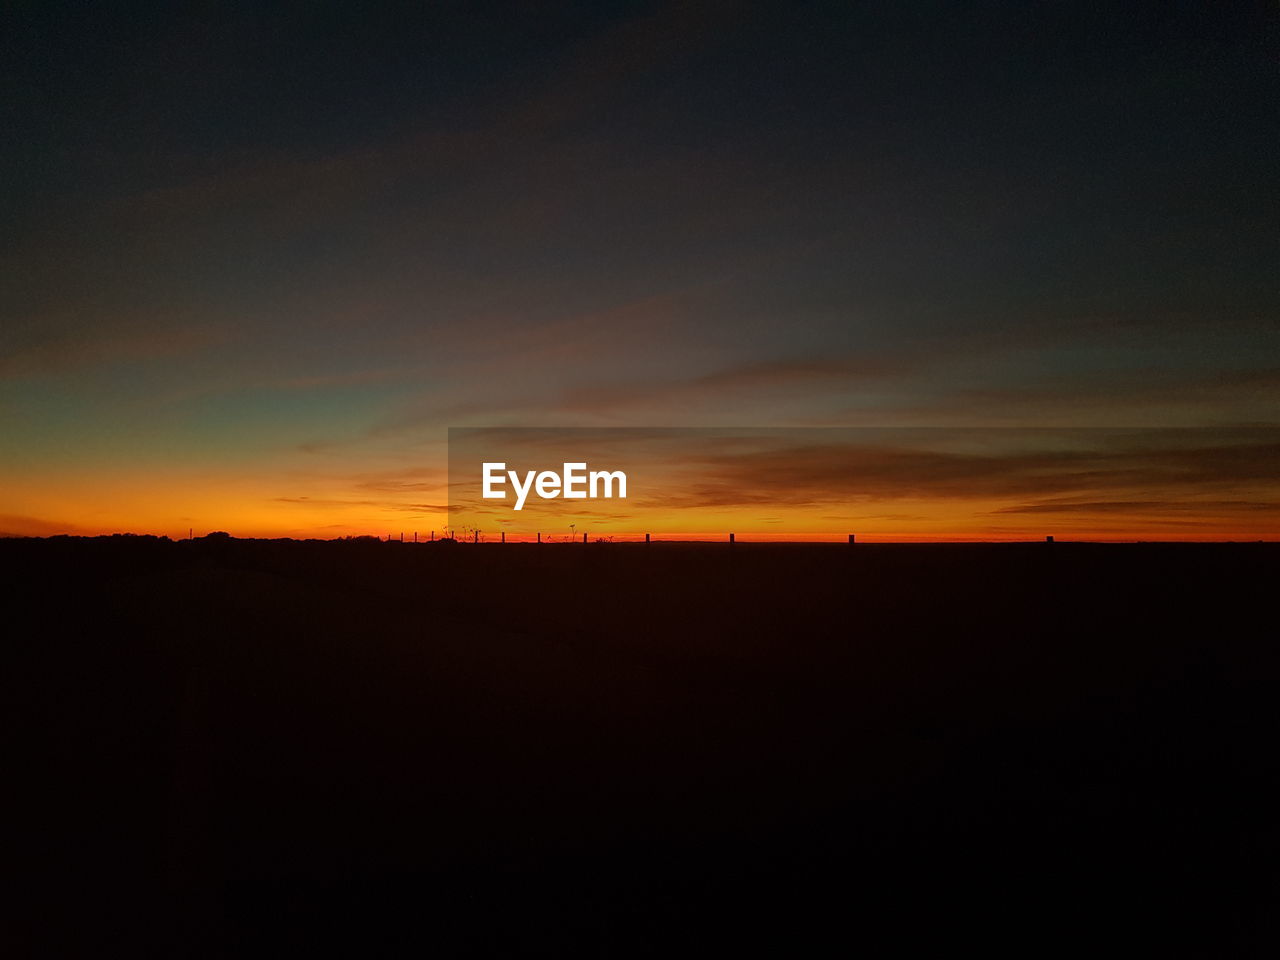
245 747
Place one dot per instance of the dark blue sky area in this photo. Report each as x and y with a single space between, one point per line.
249 234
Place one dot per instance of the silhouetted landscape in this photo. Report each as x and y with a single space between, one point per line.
235 746
586 273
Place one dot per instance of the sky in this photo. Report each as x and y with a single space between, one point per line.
877 483
258 258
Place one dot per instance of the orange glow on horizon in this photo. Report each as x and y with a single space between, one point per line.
677 500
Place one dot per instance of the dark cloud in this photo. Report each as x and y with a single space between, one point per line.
29 350
1140 507
21 526
380 504
867 471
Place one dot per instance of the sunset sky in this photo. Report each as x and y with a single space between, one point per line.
256 261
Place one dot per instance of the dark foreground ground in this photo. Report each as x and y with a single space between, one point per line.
243 747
